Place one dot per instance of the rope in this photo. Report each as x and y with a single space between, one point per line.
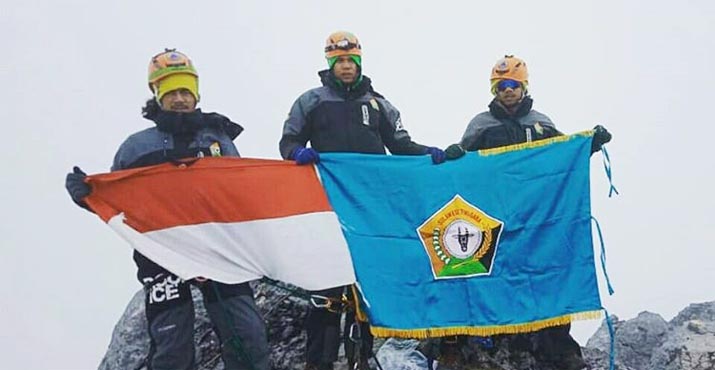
612 335
603 256
374 357
607 167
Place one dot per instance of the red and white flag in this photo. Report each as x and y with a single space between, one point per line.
228 219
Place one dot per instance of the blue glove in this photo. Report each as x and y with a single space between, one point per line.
454 151
76 187
303 155
600 137
437 154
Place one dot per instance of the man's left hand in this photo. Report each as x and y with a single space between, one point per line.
600 137
438 155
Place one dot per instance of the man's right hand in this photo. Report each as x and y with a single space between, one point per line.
454 151
76 187
303 156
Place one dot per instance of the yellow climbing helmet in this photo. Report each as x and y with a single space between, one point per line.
167 63
510 68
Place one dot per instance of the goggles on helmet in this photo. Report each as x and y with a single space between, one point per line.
508 84
343 44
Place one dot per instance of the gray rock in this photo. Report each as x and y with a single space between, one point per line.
690 342
599 360
401 354
646 342
635 339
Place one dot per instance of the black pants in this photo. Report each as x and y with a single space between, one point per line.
170 318
555 344
323 329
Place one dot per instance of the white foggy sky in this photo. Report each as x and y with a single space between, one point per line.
73 77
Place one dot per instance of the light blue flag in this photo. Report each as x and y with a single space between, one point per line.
498 241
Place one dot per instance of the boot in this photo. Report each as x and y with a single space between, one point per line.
321 366
450 354
363 364
571 362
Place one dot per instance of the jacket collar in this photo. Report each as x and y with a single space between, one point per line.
357 89
498 110
189 123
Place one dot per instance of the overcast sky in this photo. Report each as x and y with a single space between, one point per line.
73 77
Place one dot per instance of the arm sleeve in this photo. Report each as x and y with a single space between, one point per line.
296 130
393 133
550 129
118 163
470 139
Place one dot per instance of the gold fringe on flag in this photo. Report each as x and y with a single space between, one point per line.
485 331
359 314
532 144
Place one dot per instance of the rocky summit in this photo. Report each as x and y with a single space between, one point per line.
646 342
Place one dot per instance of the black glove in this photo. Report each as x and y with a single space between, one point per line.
76 187
454 151
600 137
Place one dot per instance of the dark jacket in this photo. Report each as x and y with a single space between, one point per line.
176 136
497 127
339 118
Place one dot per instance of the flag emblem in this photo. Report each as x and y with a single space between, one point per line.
460 240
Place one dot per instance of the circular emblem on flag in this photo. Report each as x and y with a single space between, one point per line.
462 238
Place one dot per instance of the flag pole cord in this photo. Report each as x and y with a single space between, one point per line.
612 336
603 256
609 174
609 322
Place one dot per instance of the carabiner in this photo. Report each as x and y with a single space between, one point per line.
354 335
319 305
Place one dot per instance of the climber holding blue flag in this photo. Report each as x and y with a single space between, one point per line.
511 120
497 242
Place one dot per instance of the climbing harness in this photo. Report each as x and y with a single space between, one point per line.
335 305
343 304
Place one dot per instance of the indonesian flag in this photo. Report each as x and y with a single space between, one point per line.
228 219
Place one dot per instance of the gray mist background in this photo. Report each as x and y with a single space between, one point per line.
73 78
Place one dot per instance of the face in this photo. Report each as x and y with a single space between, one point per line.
180 100
345 69
509 96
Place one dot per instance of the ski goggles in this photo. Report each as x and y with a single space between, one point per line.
508 84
